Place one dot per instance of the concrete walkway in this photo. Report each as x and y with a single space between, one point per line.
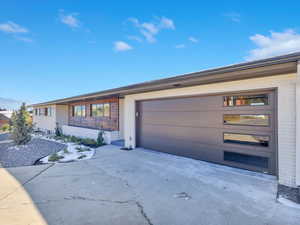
140 187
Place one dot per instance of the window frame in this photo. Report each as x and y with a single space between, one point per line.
97 107
248 114
249 143
82 110
101 105
237 95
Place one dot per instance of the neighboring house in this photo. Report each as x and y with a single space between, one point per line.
3 119
245 115
7 113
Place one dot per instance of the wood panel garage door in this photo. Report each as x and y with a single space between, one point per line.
236 129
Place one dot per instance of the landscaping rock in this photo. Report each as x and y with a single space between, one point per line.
26 155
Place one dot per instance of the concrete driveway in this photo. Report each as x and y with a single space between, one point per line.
144 187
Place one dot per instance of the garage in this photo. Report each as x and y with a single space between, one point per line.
235 129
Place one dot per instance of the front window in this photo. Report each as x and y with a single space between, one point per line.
246 100
97 110
79 110
100 110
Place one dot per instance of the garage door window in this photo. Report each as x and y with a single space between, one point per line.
251 160
252 120
246 139
245 100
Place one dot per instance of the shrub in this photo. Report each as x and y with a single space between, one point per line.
22 126
88 142
66 151
83 149
81 157
75 139
100 139
55 157
5 127
58 131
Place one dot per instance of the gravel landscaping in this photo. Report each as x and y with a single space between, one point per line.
4 136
26 155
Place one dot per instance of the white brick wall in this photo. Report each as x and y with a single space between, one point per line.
286 86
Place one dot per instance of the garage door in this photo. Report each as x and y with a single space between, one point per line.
236 129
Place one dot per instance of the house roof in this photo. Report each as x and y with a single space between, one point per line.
3 117
259 68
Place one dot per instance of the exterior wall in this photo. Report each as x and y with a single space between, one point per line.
297 101
62 114
2 122
106 123
286 86
45 123
121 118
108 136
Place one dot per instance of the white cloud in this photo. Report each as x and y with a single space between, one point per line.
11 27
233 16
69 19
135 38
121 46
150 29
167 23
24 39
278 43
180 46
193 39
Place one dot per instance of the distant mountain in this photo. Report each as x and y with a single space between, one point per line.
9 104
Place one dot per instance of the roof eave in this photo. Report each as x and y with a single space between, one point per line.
259 68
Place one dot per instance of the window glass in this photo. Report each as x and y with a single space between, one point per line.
79 110
244 100
49 111
254 120
97 110
246 139
107 109
257 161
100 110
42 111
46 111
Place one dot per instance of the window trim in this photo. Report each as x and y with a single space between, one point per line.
265 168
82 110
245 144
252 125
103 107
248 94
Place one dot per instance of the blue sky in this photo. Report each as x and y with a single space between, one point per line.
55 49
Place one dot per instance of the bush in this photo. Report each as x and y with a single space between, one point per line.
81 157
22 126
100 139
5 127
55 157
58 131
84 149
88 142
